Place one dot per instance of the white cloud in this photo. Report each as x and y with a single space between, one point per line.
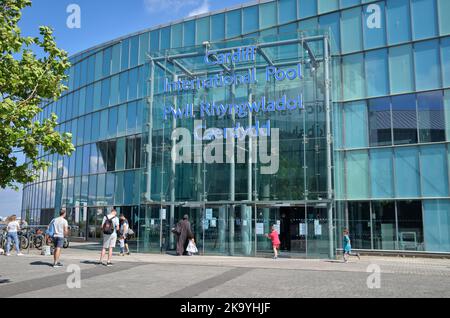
204 7
154 6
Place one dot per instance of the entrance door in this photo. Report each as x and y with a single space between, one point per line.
292 230
94 223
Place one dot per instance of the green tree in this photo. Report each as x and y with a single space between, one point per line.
25 81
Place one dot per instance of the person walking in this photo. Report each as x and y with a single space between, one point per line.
110 226
12 228
274 237
60 230
184 233
347 247
123 233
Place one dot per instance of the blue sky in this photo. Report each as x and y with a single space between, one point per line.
101 21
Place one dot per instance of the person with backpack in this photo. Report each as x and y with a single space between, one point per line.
110 227
57 230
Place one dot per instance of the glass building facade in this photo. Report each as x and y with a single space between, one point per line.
390 131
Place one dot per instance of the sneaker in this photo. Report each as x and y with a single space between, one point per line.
8 254
109 264
57 265
275 257
121 254
19 254
128 253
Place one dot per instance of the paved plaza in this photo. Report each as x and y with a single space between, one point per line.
154 275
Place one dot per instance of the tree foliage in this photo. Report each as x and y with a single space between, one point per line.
25 81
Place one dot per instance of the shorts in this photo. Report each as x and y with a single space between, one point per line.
109 240
58 241
277 246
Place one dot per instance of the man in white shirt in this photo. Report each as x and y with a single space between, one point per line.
61 229
110 226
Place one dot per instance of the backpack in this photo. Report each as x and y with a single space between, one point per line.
51 229
108 226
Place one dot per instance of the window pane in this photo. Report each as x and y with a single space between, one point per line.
106 69
120 154
445 59
268 15
384 236
144 40
355 118
91 69
398 21
177 35
307 8
97 95
123 84
357 175
359 220
436 225
104 124
381 173
374 35
109 190
424 18
130 144
431 117
86 159
328 5
114 90
121 121
354 83
131 117
102 152
287 9
404 119
250 19
125 54
111 163
82 102
189 33
154 41
165 38
444 21
134 51
410 225
447 113
95 124
115 63
132 86
87 128
92 190
98 65
89 98
349 3
380 122
105 92
118 196
401 69
377 73
202 30
433 161
331 21
112 122
217 27
351 30
233 23
407 182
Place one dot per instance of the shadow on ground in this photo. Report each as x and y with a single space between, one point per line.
41 263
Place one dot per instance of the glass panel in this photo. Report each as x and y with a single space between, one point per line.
154 41
98 65
355 118
130 158
132 84
104 124
428 74
374 34
351 30
202 30
380 122
404 119
327 5
383 221
433 162
407 182
381 173
115 63
89 98
331 22
131 117
436 225
189 33
134 51
268 15
114 90
398 21
121 121
353 72
120 154
447 113
105 92
118 197
97 95
217 27
444 22
410 225
359 224
357 175
349 3
233 23
177 35
93 160
445 54
401 69
377 73
125 54
424 18
287 10
250 18
431 117
112 123
111 163
165 38
106 62
123 84
102 153
307 8
144 40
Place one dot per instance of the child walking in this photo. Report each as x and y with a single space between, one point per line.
274 237
347 247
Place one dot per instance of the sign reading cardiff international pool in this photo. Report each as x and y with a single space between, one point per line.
262 104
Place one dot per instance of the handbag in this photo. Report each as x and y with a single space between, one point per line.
192 248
